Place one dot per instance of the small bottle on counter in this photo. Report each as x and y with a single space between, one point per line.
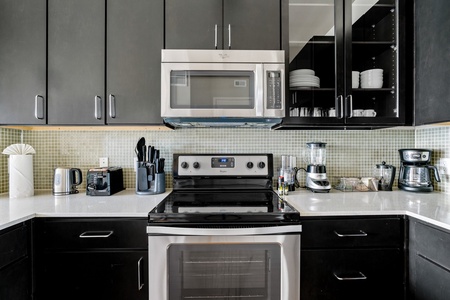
285 188
280 185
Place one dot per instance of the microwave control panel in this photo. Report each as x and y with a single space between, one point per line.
274 86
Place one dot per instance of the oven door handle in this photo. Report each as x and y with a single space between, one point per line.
166 230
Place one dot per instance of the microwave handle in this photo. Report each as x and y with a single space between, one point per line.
215 36
259 93
229 36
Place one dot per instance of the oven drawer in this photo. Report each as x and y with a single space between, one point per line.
350 233
89 233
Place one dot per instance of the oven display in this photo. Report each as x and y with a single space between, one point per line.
222 162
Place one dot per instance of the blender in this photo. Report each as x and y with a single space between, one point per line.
316 174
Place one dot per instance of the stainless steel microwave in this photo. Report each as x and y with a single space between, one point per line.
222 87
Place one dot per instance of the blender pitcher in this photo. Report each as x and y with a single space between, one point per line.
385 174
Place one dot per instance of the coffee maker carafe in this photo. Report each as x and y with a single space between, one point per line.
415 170
316 173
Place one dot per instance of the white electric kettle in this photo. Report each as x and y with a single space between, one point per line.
65 181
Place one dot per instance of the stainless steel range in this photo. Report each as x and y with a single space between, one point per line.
223 233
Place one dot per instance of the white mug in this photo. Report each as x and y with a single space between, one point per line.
369 113
358 112
317 112
332 112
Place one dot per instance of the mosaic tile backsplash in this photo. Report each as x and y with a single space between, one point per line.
349 153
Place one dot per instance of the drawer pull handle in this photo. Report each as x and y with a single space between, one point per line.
360 233
359 276
140 271
96 234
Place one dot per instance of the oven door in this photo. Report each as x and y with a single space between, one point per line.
260 263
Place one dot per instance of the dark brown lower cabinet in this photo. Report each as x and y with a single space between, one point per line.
91 258
352 258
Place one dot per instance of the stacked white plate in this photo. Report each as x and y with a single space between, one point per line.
372 78
303 78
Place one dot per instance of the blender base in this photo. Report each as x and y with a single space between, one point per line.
317 183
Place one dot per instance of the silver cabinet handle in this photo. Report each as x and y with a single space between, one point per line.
229 36
161 230
340 106
350 101
39 107
112 106
98 107
361 276
96 234
215 36
360 233
139 270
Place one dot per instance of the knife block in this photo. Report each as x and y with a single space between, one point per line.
148 182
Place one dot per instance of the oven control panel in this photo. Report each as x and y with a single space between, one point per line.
223 165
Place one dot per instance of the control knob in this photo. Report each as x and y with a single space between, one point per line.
184 165
196 165
249 165
261 165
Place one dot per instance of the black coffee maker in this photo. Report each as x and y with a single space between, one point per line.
415 170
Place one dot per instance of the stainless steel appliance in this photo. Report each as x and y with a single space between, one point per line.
205 88
65 181
316 172
223 233
385 174
415 170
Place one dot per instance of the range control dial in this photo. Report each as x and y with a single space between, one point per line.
196 165
184 165
249 165
261 165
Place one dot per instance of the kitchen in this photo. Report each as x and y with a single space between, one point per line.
350 153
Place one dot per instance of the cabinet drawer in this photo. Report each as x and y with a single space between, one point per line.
78 234
351 233
351 274
433 244
13 245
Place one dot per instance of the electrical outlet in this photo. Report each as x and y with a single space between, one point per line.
103 162
444 166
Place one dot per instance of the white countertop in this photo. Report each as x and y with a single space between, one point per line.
43 204
430 207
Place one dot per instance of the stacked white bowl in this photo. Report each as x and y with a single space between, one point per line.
372 78
355 79
303 78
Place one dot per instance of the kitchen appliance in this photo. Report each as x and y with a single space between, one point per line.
104 181
226 88
415 170
65 181
316 173
385 175
223 233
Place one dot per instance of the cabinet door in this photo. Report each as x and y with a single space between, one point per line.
23 62
134 43
252 24
331 39
193 24
351 274
432 61
76 62
15 281
94 275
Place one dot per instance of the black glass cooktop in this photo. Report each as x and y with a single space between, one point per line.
219 206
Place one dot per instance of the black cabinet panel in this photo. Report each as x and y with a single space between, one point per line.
23 62
13 245
432 61
351 274
134 43
76 62
15 281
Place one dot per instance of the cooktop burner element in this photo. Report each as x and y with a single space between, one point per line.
211 188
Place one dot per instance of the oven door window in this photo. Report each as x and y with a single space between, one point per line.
196 89
224 271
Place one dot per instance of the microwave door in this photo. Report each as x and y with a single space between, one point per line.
211 90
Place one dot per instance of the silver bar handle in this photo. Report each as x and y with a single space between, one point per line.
96 234
340 106
342 278
223 232
350 98
139 270
360 233
98 107
112 106
39 107
229 36
215 36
